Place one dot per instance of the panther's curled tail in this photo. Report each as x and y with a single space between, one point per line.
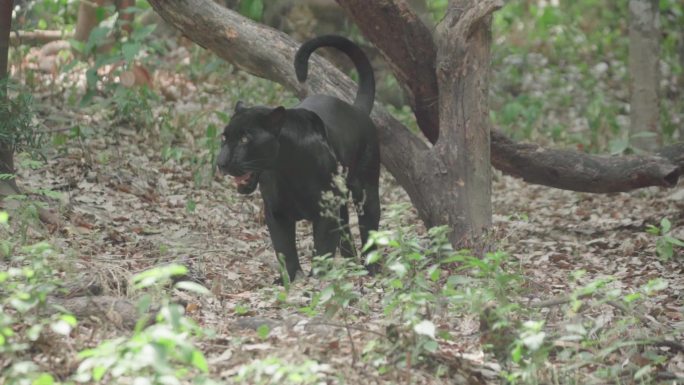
366 93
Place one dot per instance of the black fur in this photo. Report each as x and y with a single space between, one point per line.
292 154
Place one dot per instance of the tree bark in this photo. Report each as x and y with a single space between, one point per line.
644 71
463 57
7 186
268 53
413 64
87 16
598 174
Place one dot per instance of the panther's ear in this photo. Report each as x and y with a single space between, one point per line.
275 119
239 106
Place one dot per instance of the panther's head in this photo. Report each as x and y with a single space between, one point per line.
250 144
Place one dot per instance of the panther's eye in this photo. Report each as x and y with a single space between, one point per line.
244 140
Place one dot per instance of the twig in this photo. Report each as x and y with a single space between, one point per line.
351 341
557 301
354 327
645 320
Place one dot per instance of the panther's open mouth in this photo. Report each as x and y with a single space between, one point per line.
247 182
242 180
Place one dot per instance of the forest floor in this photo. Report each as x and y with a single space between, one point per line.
123 209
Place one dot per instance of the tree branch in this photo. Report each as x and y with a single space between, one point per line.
550 167
475 14
572 170
411 62
268 53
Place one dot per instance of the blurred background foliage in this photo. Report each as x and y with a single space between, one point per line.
559 71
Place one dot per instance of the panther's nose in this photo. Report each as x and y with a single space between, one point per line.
223 161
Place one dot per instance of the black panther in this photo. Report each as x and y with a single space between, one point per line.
292 154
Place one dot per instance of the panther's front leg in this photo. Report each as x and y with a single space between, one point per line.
326 234
282 230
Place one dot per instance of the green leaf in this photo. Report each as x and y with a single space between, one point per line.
398 268
425 328
252 9
190 206
130 50
516 353
241 309
97 37
373 257
431 346
70 319
665 225
618 146
61 327
664 249
99 372
199 361
327 293
263 331
644 134
653 230
43 379
193 287
141 33
631 297
4 217
655 285
642 372
534 341
158 275
673 240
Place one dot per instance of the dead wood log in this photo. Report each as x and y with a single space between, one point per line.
572 170
120 312
37 37
268 53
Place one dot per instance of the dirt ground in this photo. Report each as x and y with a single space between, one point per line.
124 209
130 213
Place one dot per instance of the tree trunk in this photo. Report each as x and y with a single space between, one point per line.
644 70
87 16
412 54
7 186
463 57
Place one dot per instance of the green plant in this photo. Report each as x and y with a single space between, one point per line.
26 281
254 9
274 370
205 160
110 58
424 281
666 243
161 353
17 126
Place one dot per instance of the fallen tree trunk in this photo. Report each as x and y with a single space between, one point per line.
120 312
268 53
576 171
37 37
